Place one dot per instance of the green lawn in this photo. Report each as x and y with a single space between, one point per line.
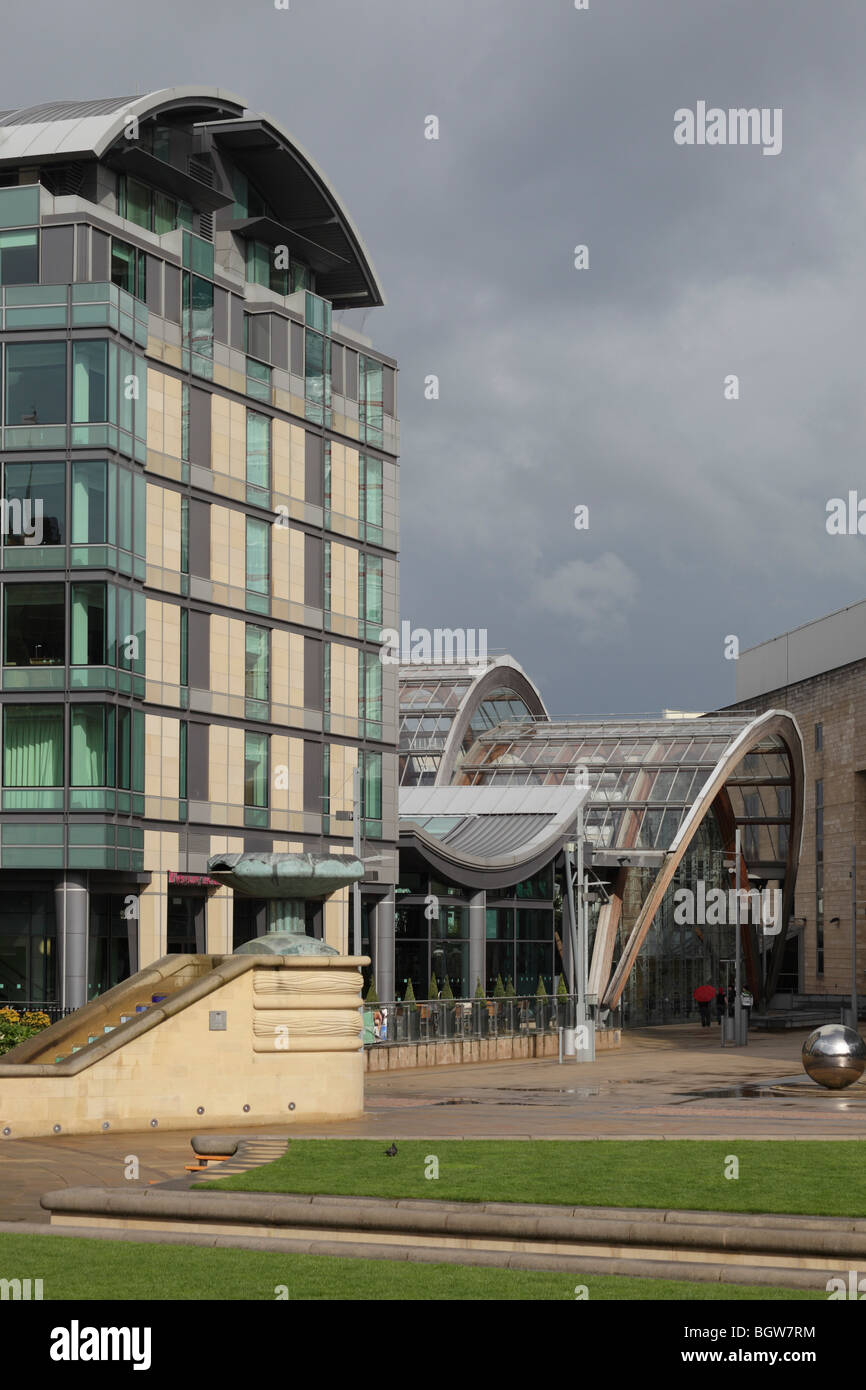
818 1178
74 1268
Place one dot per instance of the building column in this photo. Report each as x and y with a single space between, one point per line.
477 942
72 910
382 944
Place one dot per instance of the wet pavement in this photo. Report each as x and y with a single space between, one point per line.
664 1083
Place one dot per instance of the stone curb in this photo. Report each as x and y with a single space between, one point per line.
572 1265
458 1220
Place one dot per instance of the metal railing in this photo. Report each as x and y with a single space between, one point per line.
23 1006
454 1020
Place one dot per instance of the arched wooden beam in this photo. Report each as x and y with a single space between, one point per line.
774 721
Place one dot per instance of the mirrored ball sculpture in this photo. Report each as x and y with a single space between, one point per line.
834 1056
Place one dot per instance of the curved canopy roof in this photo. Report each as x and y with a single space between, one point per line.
309 214
643 775
443 708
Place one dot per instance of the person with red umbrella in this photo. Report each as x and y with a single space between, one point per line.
704 995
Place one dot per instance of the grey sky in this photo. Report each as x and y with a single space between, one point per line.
559 386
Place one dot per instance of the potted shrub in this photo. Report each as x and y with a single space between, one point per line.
542 1007
410 1013
447 1009
480 1016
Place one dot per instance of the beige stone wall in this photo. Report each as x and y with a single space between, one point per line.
344 579
170 1070
287 563
287 774
226 770
164 413
288 461
162 626
161 757
344 480
163 527
228 437
227 655
344 688
228 546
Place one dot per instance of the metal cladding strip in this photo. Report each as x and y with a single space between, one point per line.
380 1216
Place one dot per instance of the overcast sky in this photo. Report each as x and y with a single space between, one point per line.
560 387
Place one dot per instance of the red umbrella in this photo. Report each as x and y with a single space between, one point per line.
704 993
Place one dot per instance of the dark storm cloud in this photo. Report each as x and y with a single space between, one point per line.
560 387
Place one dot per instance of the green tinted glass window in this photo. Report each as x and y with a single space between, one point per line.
19 257
35 383
89 502
256 662
258 449
89 382
89 629
33 746
35 496
255 770
258 567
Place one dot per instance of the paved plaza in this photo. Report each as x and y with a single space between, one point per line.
664 1083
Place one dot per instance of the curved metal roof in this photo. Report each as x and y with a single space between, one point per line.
293 184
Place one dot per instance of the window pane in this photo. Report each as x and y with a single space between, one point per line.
87 730
88 502
89 382
34 625
372 588
137 203
201 334
258 263
123 265
36 384
33 746
315 367
256 770
39 490
88 625
258 449
164 213
19 258
371 774
257 663
257 555
124 746
371 492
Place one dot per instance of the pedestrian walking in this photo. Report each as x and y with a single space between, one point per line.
704 996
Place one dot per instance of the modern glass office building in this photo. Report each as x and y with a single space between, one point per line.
199 544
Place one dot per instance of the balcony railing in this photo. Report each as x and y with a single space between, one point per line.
454 1020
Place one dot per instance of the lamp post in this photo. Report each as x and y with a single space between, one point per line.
738 1007
854 937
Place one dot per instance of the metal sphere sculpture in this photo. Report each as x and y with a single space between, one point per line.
834 1056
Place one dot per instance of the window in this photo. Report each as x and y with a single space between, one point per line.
370 588
33 746
371 792
129 268
19 258
370 399
146 207
370 693
91 750
258 450
256 770
819 737
184 649
198 315
370 498
90 510
36 384
256 662
34 625
89 382
184 535
35 495
258 566
317 360
89 630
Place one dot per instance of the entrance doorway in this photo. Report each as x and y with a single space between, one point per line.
185 923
